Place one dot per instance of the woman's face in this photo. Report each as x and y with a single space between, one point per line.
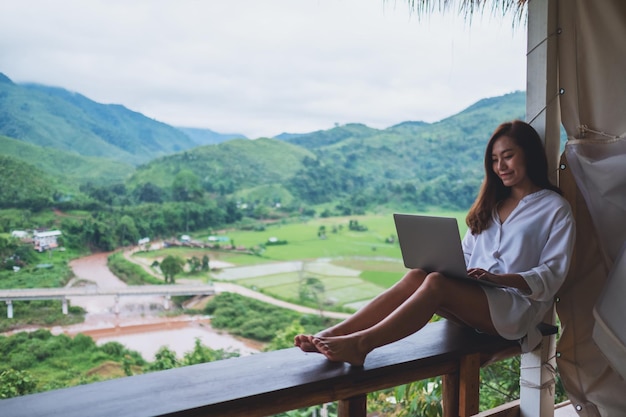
508 162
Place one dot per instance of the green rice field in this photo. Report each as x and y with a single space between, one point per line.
352 266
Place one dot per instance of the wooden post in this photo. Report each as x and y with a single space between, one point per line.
353 407
450 394
469 385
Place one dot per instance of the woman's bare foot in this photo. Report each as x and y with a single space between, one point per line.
305 343
341 349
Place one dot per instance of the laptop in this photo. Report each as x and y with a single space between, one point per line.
434 245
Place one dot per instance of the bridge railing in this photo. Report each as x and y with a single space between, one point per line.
65 294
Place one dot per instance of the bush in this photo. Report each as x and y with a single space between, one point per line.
257 329
130 273
114 349
21 360
255 319
14 383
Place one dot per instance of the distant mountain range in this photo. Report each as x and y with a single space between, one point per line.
75 140
55 118
410 164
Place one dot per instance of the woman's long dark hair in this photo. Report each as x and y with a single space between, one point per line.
492 190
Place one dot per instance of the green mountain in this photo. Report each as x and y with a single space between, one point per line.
70 169
229 167
56 118
207 136
24 186
321 138
413 163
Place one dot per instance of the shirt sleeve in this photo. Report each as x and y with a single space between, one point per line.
546 278
468 243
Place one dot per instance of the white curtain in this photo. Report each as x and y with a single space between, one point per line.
592 73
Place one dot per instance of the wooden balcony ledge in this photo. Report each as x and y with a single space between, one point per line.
269 383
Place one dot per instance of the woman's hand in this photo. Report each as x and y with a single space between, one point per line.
507 280
479 273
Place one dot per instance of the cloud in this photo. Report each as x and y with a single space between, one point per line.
263 67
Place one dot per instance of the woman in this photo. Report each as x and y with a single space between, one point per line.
521 234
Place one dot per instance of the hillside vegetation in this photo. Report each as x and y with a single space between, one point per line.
410 165
69 168
127 176
228 167
52 117
24 186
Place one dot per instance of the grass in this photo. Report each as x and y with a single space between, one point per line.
131 274
376 264
352 266
56 272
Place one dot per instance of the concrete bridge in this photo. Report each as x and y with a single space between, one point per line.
63 294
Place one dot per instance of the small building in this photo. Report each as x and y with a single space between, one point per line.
46 240
19 234
218 239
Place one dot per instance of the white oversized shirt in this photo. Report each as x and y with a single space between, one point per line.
536 241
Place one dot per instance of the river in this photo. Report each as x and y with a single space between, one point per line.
138 322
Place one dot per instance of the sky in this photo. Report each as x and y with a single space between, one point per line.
264 67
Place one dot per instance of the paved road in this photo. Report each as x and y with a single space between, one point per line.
234 288
252 271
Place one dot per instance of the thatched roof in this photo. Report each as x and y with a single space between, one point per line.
469 8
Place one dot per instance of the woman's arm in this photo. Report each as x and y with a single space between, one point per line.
546 278
509 280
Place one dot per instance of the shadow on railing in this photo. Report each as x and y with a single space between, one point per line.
269 383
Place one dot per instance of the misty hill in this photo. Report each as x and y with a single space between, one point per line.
24 186
227 167
70 169
415 164
207 136
55 118
409 163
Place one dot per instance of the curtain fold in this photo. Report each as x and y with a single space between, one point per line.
592 74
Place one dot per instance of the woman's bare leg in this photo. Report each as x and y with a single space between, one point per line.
375 311
464 300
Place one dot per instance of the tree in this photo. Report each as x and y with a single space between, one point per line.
186 187
149 193
194 263
284 337
172 266
164 359
203 354
127 231
312 288
205 262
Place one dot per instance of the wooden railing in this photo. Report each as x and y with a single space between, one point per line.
269 383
